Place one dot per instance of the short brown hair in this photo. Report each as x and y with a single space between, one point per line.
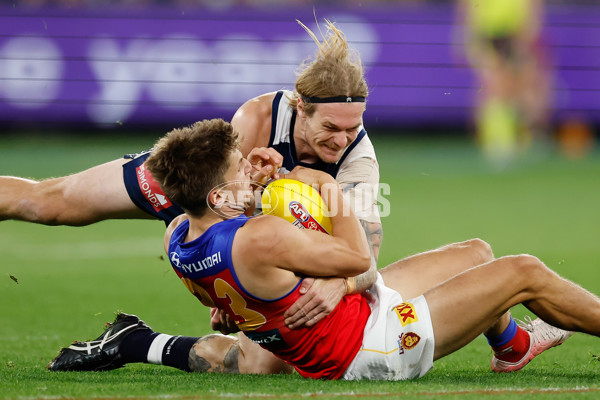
189 162
336 70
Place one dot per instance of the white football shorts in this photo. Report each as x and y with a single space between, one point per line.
398 338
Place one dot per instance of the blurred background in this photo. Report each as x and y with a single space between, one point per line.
508 75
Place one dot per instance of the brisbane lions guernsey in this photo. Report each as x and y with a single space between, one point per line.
206 269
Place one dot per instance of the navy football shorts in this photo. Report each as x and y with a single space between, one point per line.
145 192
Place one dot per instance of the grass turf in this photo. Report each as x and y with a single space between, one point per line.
69 281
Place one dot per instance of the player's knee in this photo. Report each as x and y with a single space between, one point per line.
528 267
41 203
57 203
50 211
36 211
481 250
528 261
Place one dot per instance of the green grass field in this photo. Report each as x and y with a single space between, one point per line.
70 281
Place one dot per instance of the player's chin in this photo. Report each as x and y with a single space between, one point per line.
330 156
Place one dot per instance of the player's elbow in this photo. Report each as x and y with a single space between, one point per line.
362 263
366 261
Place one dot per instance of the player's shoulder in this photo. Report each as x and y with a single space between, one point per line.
255 108
362 149
171 228
263 224
259 235
175 223
263 228
253 121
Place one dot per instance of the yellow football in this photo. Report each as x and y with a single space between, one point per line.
297 203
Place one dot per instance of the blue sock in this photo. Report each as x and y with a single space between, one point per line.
505 337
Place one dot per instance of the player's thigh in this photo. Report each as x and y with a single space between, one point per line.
96 194
256 360
414 275
466 305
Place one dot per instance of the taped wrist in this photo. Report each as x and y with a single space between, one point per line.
350 283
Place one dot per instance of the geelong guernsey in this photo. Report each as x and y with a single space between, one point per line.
322 351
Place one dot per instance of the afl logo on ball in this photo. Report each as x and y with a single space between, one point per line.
303 218
298 211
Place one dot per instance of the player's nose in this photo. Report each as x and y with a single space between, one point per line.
340 140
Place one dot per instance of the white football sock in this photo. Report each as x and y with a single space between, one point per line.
156 349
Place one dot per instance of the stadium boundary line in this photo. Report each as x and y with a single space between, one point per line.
490 392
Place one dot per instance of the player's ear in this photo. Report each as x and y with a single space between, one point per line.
215 198
300 106
220 197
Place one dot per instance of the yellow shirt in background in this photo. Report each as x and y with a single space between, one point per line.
497 18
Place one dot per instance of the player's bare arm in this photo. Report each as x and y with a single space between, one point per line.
321 296
253 122
359 180
374 234
268 247
269 241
